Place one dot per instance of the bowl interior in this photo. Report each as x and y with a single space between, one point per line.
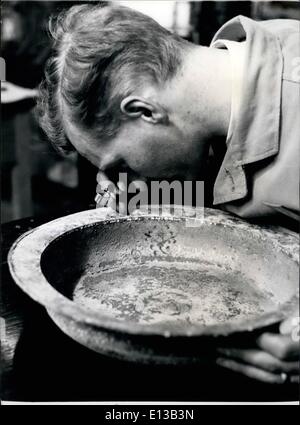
161 272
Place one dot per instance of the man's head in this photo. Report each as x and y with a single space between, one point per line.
108 91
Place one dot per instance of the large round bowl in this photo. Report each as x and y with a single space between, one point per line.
164 288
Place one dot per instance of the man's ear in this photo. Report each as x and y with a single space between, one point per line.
137 107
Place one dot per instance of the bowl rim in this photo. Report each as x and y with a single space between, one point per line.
28 275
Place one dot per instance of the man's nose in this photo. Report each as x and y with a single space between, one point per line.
112 168
108 162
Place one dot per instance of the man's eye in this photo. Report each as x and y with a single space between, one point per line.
147 113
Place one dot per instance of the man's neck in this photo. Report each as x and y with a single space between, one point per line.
201 93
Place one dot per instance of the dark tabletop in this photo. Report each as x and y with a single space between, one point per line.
40 363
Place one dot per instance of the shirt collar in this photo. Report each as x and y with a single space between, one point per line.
236 52
256 132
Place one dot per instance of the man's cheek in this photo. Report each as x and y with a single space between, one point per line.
142 164
148 160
